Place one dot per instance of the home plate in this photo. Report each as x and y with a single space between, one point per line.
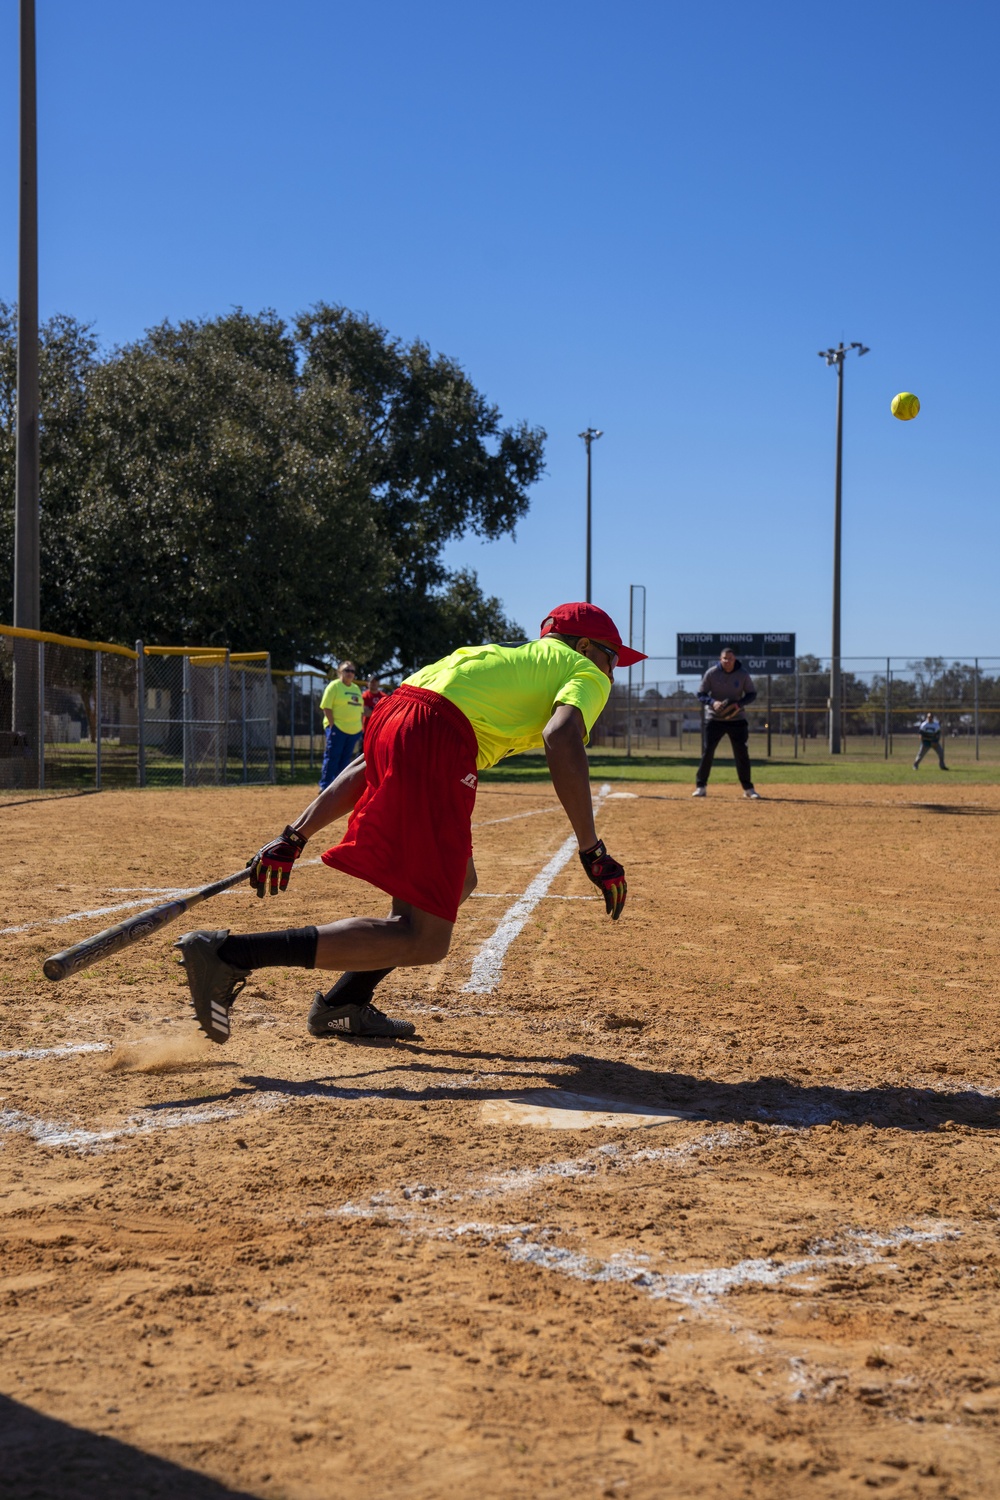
552 1109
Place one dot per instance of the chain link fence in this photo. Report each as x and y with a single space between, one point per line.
883 701
86 715
300 733
90 715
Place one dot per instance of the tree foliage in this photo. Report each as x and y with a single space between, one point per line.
238 481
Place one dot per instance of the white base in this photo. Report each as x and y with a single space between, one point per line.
552 1109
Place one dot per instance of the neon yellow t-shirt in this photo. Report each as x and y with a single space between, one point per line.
344 698
508 692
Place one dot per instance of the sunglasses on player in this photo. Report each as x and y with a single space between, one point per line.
611 655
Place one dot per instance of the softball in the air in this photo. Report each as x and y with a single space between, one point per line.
905 406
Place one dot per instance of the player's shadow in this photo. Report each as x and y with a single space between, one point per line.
785 1101
428 1074
45 1459
957 811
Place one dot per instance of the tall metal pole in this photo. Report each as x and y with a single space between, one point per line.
633 590
977 708
795 732
628 721
188 717
588 591
888 706
98 717
589 436
836 357
140 703
26 524
835 686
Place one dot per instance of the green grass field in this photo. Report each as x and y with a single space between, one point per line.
863 763
816 767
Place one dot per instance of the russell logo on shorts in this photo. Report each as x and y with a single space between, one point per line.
470 780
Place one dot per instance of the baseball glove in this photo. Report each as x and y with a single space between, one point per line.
727 711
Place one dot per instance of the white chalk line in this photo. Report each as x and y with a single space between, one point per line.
423 1209
60 1133
526 1242
506 896
487 965
694 1289
97 911
168 892
404 1203
177 893
36 1053
147 890
513 817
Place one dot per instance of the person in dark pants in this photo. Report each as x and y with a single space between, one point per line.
929 730
725 691
343 710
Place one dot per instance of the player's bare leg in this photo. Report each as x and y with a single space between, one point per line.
347 1008
219 963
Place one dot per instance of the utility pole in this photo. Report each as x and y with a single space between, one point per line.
589 437
26 717
836 358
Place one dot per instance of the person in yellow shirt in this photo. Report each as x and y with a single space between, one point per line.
411 799
343 710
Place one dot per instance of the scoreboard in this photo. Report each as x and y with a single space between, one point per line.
767 655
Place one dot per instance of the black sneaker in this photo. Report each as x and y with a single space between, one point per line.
213 983
354 1020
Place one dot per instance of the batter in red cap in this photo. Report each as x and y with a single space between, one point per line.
410 798
587 619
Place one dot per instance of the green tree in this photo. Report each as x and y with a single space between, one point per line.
67 358
222 500
440 465
457 615
236 481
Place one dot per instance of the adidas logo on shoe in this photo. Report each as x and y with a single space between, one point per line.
355 1021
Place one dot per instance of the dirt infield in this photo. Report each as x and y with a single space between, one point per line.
322 1269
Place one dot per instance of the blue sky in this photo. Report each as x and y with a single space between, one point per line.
646 217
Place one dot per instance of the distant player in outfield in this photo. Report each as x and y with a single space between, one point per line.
929 731
343 711
725 691
411 799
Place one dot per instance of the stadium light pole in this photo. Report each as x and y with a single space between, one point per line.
836 358
26 483
589 437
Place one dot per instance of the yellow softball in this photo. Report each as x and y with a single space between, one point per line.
905 406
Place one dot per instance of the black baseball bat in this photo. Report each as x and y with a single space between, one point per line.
144 924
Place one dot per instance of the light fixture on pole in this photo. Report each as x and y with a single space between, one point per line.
836 358
589 437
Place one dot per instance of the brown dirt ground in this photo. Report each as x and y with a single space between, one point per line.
310 1269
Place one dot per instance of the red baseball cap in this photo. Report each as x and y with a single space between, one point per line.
588 620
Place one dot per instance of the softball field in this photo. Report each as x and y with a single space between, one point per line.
701 1204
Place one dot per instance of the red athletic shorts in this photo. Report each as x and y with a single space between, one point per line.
411 829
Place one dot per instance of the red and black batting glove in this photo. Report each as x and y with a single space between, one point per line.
608 875
273 864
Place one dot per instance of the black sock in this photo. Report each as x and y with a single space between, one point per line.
356 987
294 947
